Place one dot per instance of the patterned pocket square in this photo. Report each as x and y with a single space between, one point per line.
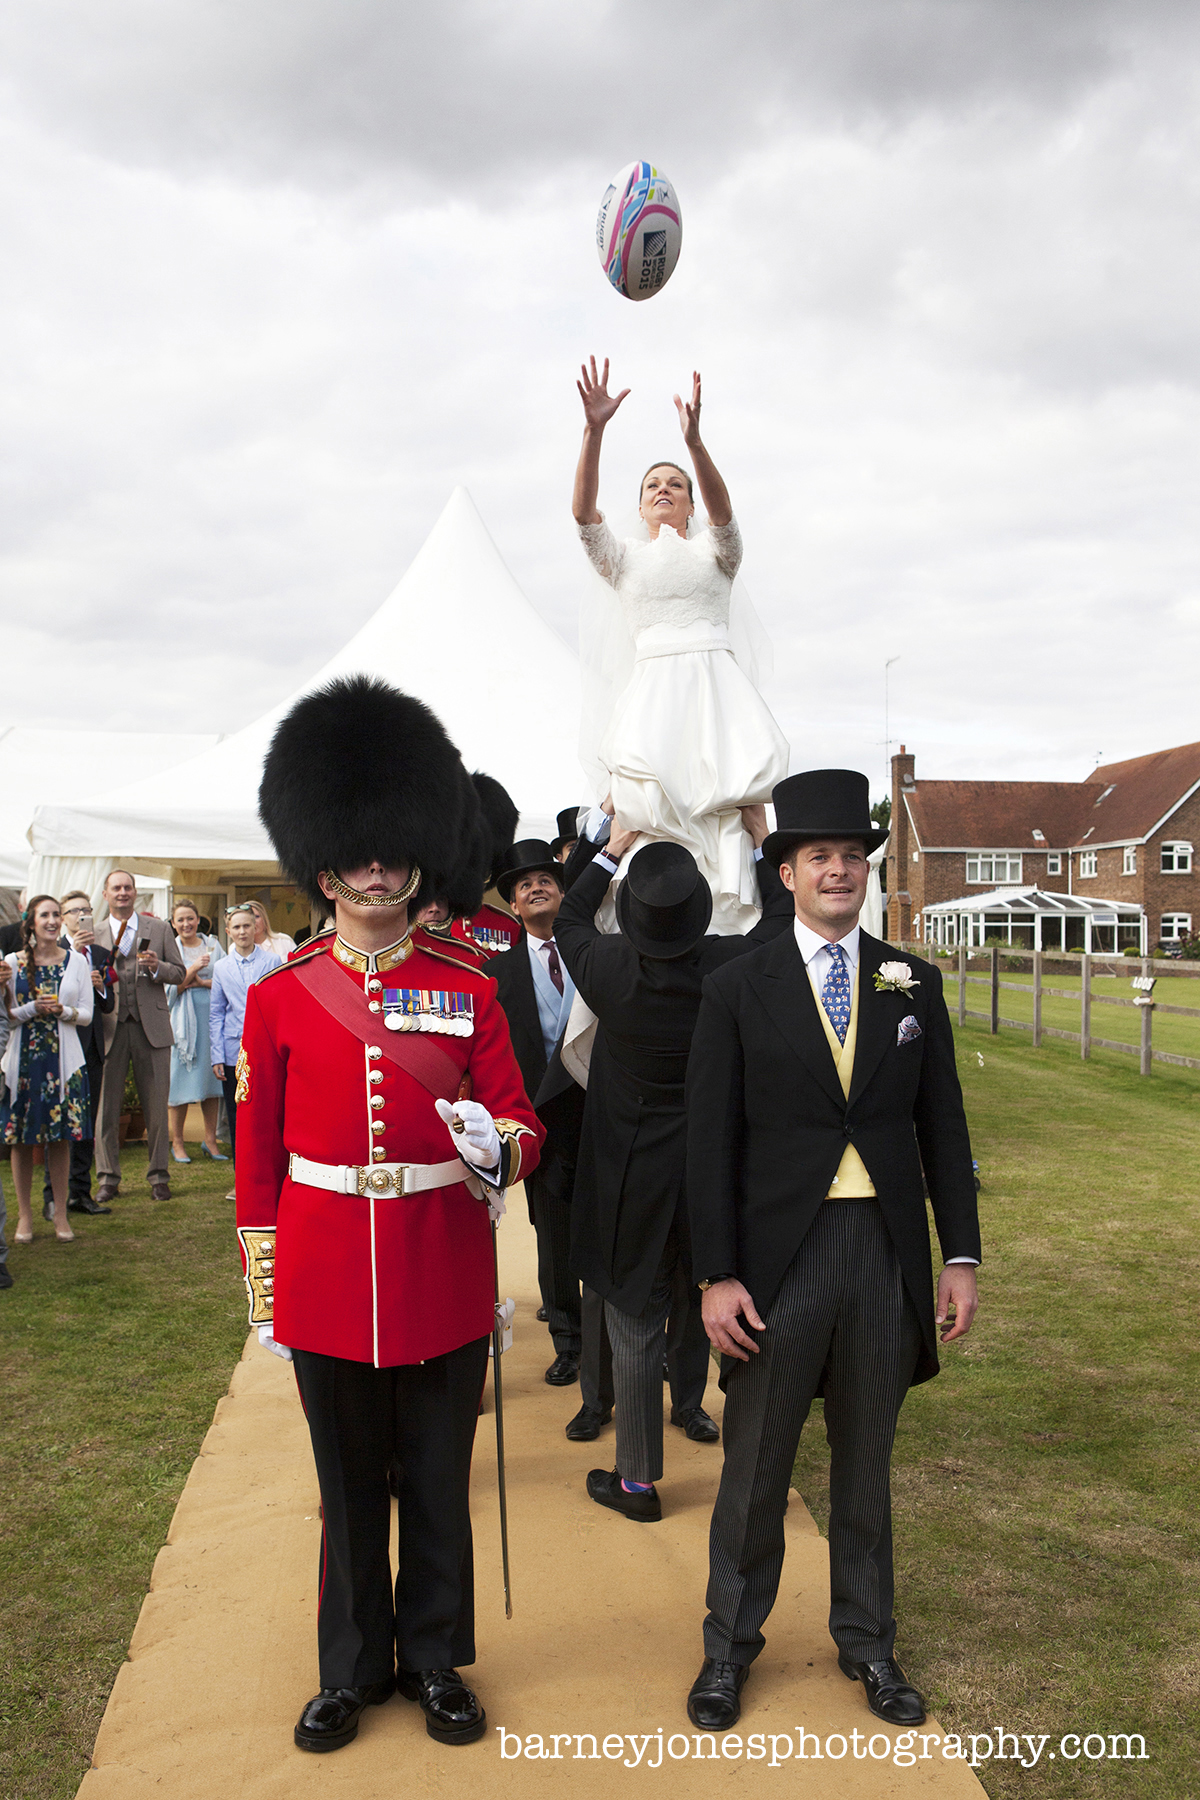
908 1031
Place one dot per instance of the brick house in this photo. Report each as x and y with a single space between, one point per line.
1126 834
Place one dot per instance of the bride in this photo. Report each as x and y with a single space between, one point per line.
689 739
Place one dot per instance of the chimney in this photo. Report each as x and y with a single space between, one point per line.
899 916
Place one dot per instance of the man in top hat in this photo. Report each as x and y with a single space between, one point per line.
629 1231
380 1116
822 1083
568 834
490 928
536 993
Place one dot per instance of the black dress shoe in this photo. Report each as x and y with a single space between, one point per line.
696 1424
587 1422
6 1279
890 1696
452 1713
48 1210
87 1205
714 1703
563 1370
331 1717
543 1317
604 1486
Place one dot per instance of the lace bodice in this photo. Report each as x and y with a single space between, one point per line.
671 581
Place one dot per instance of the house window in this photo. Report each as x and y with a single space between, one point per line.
1176 927
1087 862
993 866
1129 860
1054 863
1177 859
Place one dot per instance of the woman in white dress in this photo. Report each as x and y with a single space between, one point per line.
690 739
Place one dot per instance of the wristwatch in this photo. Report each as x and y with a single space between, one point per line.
711 1281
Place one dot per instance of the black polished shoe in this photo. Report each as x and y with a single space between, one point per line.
604 1486
696 1424
587 1422
6 1279
563 1370
87 1205
331 1717
890 1696
714 1703
48 1210
452 1713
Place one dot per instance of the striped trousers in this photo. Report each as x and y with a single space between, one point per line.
842 1322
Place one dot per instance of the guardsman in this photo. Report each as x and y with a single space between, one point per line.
381 1115
491 927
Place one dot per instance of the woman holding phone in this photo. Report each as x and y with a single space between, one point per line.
45 1096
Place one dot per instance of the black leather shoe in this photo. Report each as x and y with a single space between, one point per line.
452 1713
587 1422
714 1703
87 1206
6 1279
563 1370
48 1210
604 1486
696 1424
331 1717
889 1694
543 1317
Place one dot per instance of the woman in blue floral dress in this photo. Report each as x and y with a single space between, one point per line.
45 1093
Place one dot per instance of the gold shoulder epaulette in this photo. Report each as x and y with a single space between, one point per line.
294 962
463 956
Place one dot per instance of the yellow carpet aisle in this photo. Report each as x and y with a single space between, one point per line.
605 1637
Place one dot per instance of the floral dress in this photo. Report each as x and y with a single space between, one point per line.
39 1114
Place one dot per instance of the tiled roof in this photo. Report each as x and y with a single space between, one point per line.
1118 802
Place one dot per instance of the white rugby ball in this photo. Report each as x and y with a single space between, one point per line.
639 231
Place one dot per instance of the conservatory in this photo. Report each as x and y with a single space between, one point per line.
1033 920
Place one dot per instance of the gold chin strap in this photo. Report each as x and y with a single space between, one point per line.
345 892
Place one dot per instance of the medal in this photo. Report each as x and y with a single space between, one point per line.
429 1009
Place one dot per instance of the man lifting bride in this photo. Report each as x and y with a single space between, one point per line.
679 730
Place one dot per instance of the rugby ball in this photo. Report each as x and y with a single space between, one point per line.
639 231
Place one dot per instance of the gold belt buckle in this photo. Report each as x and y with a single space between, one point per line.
380 1181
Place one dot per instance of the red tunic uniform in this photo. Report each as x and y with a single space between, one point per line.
378 1280
491 930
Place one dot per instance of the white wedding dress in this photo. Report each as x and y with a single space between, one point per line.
689 737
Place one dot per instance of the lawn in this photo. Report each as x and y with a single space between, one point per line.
1179 1036
1047 1543
114 1351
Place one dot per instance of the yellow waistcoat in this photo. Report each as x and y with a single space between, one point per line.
851 1181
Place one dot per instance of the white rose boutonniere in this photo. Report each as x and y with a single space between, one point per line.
895 978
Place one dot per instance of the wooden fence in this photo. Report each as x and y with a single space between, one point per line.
1147 1006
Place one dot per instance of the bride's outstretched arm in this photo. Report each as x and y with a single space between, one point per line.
598 408
713 491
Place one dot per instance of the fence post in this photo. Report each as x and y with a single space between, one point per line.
1146 1062
1037 999
995 990
962 984
1085 1007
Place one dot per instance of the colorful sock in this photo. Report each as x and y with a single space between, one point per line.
636 1487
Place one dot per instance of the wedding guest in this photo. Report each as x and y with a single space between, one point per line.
6 1279
193 1082
138 1032
10 935
276 941
232 979
45 1077
79 934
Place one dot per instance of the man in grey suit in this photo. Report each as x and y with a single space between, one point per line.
137 1030
822 1092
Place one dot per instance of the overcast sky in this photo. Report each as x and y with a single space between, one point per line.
279 276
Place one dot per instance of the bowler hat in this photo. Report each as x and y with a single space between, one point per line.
664 904
568 828
821 803
523 859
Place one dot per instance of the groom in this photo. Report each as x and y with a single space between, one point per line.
821 1087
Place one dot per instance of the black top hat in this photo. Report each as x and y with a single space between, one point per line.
568 828
664 904
821 803
525 858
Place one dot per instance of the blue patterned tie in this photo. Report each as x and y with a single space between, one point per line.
835 995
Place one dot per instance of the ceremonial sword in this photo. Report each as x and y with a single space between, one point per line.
497 1351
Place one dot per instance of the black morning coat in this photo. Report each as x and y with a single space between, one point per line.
629 1181
768 1123
558 1103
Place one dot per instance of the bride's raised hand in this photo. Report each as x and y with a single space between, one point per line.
689 413
598 404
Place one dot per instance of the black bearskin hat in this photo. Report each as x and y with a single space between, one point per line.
358 771
500 816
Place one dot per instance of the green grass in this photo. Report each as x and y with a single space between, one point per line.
114 1351
1047 1545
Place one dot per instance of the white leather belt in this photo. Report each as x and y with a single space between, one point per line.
382 1180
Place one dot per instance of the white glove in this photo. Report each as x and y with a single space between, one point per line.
472 1132
266 1337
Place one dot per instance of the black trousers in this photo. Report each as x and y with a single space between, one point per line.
229 1084
422 1416
548 1192
843 1321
